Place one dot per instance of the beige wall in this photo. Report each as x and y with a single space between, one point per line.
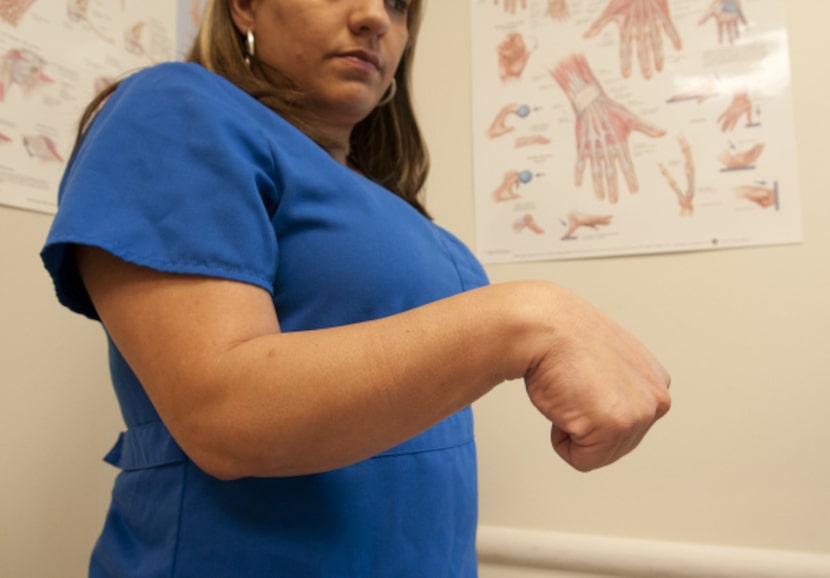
740 461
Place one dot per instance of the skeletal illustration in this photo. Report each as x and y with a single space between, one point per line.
685 197
602 129
640 22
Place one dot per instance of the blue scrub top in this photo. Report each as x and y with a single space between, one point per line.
183 172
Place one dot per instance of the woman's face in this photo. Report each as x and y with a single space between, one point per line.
342 53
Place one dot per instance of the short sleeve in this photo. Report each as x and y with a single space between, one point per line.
174 174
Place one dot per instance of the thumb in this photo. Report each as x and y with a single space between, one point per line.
580 457
599 24
646 128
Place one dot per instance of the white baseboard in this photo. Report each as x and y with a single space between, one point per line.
628 558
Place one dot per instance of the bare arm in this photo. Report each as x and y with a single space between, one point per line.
244 399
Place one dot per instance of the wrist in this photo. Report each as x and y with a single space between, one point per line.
585 97
530 311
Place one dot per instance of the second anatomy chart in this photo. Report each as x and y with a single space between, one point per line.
612 127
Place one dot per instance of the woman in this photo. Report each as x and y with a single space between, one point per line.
293 343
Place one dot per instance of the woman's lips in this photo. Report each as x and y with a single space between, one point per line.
364 57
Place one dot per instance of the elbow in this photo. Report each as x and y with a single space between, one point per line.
228 457
228 468
215 451
227 451
228 465
218 464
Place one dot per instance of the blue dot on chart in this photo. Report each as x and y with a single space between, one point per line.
525 176
523 110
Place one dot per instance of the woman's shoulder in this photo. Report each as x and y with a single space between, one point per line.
173 93
180 78
189 89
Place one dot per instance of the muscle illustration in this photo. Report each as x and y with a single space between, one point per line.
602 129
641 22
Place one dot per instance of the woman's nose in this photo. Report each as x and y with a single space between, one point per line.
370 17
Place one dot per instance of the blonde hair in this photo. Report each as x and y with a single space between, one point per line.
386 146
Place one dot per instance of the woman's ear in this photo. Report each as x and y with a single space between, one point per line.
243 13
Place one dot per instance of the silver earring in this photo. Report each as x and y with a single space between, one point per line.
390 93
250 48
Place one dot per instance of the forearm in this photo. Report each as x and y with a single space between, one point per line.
296 403
244 399
577 81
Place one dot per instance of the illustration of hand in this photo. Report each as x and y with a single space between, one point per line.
577 220
727 14
764 197
510 5
513 55
740 106
527 221
558 10
640 21
742 159
602 129
498 127
506 191
684 197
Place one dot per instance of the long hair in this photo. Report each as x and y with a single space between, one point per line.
386 146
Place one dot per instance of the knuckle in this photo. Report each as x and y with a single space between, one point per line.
664 404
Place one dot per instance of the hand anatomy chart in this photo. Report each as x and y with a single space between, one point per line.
613 127
54 56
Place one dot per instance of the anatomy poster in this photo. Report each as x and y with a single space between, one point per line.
614 127
54 56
